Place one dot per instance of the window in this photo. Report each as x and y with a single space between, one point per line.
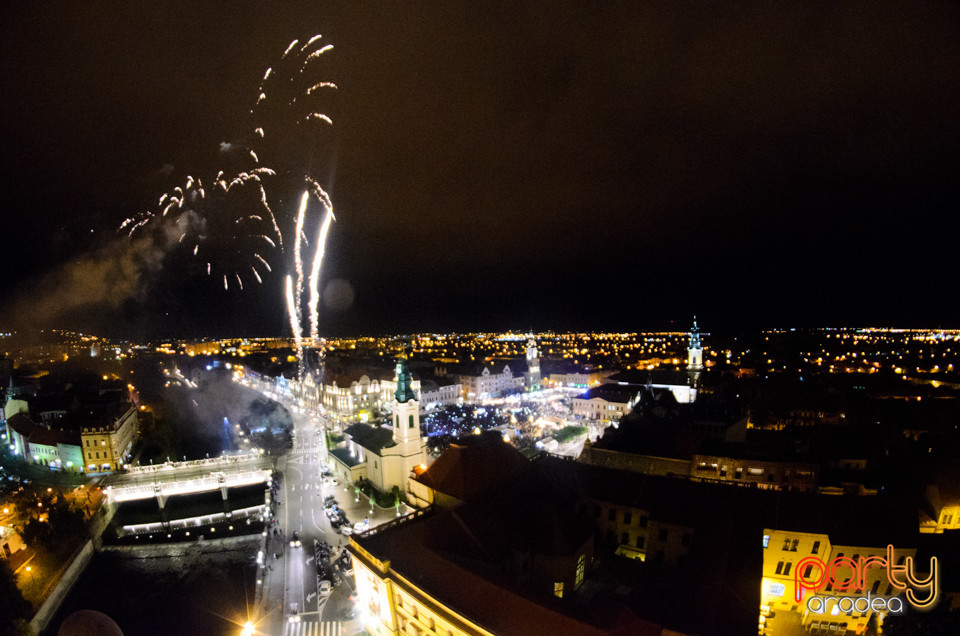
807 570
780 568
625 538
947 519
796 542
627 517
640 541
642 522
411 421
786 545
612 515
558 589
816 547
786 570
581 568
766 540
686 539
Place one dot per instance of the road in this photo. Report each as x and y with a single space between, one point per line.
290 581
301 492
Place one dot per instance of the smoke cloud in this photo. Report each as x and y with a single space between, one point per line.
104 278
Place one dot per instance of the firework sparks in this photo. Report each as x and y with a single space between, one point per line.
320 116
310 41
317 87
316 54
225 234
265 263
315 276
295 324
297 260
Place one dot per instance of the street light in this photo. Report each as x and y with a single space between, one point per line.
248 629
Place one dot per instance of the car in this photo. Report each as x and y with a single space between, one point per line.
294 613
346 530
361 526
325 588
295 540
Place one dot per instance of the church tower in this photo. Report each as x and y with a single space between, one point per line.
406 408
533 366
694 354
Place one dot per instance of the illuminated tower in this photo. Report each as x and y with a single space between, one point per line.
694 354
533 366
406 408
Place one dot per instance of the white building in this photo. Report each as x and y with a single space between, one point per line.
386 455
607 402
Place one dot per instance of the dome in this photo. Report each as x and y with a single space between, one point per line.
89 623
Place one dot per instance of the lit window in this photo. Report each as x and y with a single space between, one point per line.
558 589
766 540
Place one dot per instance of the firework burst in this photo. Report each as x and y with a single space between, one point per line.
232 229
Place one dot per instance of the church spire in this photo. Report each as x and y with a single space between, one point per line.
695 335
404 380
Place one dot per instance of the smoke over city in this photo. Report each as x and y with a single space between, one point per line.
104 278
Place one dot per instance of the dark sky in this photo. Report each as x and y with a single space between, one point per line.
522 165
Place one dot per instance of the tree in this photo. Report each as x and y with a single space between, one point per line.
14 609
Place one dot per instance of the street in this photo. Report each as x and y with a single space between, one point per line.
291 603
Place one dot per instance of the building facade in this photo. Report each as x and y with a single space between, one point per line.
107 447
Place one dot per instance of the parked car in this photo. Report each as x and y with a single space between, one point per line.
325 588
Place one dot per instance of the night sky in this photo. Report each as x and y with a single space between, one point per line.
525 165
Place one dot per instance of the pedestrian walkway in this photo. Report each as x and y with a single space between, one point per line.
313 628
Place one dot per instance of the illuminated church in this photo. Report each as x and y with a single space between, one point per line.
386 455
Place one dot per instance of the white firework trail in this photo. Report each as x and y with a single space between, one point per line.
316 54
256 275
259 131
239 282
273 219
317 87
268 240
173 202
267 74
262 97
320 116
265 263
289 48
315 277
254 156
195 248
297 259
295 324
310 41
208 269
225 284
162 199
141 223
189 182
